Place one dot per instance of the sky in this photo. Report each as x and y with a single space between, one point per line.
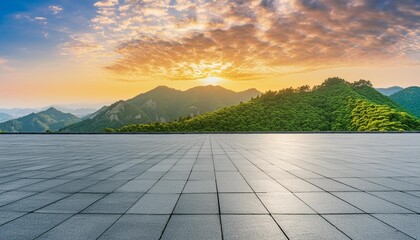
96 52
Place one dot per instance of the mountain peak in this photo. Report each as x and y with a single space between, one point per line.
51 110
50 119
162 87
251 90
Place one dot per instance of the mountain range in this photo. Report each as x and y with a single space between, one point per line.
14 113
161 104
335 105
389 91
48 120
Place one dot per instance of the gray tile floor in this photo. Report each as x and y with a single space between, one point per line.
259 186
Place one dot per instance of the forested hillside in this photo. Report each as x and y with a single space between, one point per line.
408 98
335 105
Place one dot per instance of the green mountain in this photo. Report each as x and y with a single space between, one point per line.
50 119
409 98
161 104
335 105
389 91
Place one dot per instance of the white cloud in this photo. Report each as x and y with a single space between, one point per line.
106 3
55 9
40 18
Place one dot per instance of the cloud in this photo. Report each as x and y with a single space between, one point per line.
39 18
251 39
106 3
55 9
79 45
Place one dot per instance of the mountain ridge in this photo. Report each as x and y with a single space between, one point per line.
161 104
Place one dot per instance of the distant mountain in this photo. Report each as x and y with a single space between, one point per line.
78 112
336 105
50 119
20 112
161 104
5 117
409 98
389 91
17 112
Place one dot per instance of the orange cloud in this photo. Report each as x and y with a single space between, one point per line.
240 40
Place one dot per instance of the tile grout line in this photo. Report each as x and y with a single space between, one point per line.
217 188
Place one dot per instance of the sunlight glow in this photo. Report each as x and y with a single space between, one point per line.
212 80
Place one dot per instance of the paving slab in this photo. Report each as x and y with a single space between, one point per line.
81 226
155 204
31 225
118 203
405 200
9 216
241 203
233 186
406 223
200 187
137 186
284 203
203 203
243 227
106 186
323 202
369 203
308 227
363 226
182 227
72 204
147 227
34 202
168 187
12 196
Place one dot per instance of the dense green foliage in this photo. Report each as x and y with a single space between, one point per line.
50 119
409 98
160 105
335 105
367 116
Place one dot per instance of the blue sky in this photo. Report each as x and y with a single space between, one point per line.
34 29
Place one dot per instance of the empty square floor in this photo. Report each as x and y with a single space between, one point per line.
210 186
